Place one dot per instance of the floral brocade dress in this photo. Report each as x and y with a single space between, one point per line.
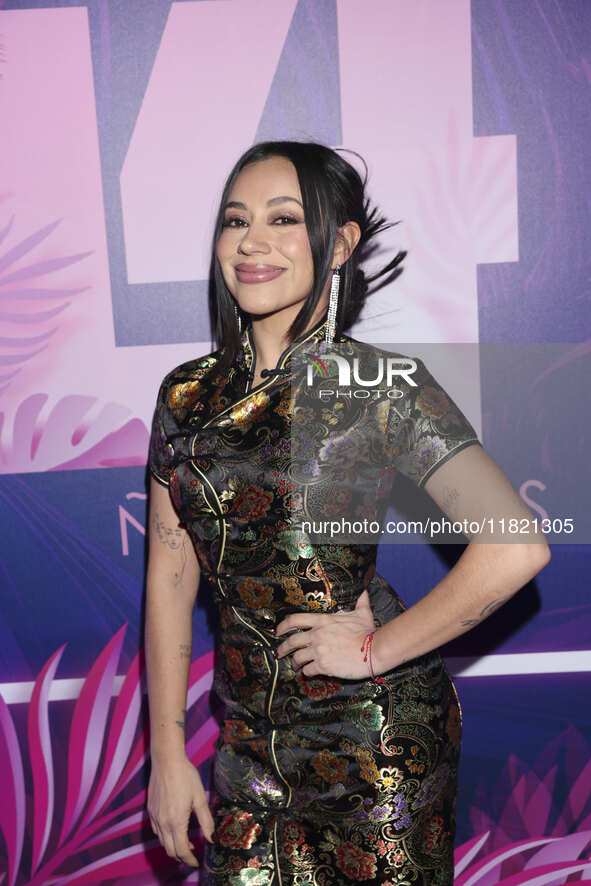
317 781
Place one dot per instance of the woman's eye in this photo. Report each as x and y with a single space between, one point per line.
237 222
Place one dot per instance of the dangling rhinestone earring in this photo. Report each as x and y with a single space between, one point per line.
333 303
238 320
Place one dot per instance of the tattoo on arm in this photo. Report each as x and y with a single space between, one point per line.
181 723
185 650
173 537
177 575
488 610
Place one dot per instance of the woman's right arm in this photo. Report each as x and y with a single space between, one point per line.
175 787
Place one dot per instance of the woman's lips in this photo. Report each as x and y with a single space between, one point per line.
257 273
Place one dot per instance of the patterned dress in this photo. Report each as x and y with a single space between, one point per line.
318 781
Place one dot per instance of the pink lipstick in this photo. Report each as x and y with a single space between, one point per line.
250 273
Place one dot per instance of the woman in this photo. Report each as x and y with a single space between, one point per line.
338 757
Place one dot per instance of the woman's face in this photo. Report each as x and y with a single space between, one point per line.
263 250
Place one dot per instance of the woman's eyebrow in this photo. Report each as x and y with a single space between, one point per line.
235 204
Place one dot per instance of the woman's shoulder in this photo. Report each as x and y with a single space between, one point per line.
196 369
401 361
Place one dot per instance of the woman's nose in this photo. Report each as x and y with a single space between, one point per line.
254 240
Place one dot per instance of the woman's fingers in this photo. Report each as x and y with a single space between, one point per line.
205 818
302 657
182 847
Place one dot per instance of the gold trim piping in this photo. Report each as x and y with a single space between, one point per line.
263 385
277 868
220 518
263 638
286 783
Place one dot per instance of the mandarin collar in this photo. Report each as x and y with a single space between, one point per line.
247 352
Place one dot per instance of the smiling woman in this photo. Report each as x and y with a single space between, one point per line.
264 241
338 756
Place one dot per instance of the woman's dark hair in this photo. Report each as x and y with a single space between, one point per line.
332 194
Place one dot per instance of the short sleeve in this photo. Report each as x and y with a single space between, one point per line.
426 428
161 453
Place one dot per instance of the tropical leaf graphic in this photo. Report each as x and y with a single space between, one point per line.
102 832
29 309
76 432
523 804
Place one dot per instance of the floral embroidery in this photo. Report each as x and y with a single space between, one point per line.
366 714
293 590
294 543
390 778
238 831
318 687
234 663
432 402
294 838
255 593
434 833
354 863
251 504
250 876
413 765
248 411
235 730
432 786
286 404
401 815
330 767
368 769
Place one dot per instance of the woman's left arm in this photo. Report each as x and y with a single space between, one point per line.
469 487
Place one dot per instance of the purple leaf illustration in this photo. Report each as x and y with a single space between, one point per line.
41 758
43 267
87 730
25 245
6 229
18 286
12 808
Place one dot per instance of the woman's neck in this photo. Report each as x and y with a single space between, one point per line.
270 335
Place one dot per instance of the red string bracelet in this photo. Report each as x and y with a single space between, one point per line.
366 647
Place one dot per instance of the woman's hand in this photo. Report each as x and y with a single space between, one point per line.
174 791
328 643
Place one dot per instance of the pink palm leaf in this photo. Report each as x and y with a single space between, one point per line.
99 812
12 809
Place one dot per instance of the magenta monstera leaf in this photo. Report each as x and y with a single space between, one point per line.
78 432
99 812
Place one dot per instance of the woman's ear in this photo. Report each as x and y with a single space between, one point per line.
347 238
